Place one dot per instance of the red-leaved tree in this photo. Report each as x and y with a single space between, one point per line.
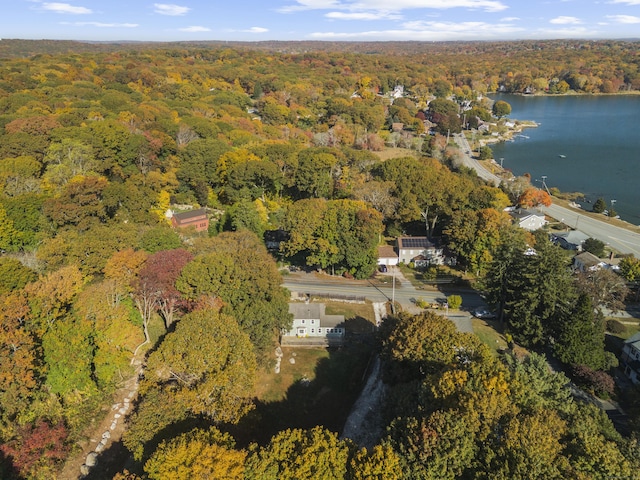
157 279
36 446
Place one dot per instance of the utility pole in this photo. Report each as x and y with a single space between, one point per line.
393 291
544 184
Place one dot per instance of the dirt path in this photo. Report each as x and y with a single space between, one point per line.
101 435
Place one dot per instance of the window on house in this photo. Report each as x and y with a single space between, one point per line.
312 322
302 321
313 330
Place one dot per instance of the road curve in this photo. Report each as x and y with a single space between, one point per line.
470 162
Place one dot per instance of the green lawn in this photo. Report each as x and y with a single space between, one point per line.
488 332
359 317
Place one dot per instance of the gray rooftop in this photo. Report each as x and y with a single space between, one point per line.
315 311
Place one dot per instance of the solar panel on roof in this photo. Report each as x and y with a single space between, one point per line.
415 242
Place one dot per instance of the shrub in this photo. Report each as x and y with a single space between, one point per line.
485 153
421 303
454 301
599 382
594 246
615 327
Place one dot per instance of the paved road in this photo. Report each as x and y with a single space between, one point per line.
471 162
405 293
620 239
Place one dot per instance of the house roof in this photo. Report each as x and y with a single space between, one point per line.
634 341
522 213
386 251
588 259
315 311
186 216
414 242
575 237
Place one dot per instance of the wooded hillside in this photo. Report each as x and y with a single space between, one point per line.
98 142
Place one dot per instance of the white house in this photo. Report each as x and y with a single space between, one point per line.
528 220
630 358
419 250
311 321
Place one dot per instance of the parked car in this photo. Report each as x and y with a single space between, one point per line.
483 312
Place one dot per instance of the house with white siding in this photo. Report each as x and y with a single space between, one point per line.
419 250
311 321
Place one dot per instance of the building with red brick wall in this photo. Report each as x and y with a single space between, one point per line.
193 218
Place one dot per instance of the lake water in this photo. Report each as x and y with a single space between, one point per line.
587 144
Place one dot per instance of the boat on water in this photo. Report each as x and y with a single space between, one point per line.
562 156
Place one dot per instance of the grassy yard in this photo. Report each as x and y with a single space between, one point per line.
359 317
444 277
273 387
389 153
318 389
488 331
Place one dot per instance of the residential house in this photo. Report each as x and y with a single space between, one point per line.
587 262
387 256
630 358
528 220
311 321
273 239
197 219
571 240
419 250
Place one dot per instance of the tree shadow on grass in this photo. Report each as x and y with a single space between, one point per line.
326 400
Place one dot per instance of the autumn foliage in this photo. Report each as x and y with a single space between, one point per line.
533 197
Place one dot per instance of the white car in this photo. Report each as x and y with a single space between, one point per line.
483 312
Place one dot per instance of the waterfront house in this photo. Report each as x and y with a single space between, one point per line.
630 358
528 220
571 240
311 322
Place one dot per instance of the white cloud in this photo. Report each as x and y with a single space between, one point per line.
565 21
393 6
570 32
101 25
170 9
65 8
250 30
363 16
256 30
195 28
510 19
626 2
431 31
624 18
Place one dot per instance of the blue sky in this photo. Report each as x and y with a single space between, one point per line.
334 20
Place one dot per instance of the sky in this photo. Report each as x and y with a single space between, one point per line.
330 20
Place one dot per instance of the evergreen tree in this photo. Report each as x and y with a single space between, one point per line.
580 336
599 206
